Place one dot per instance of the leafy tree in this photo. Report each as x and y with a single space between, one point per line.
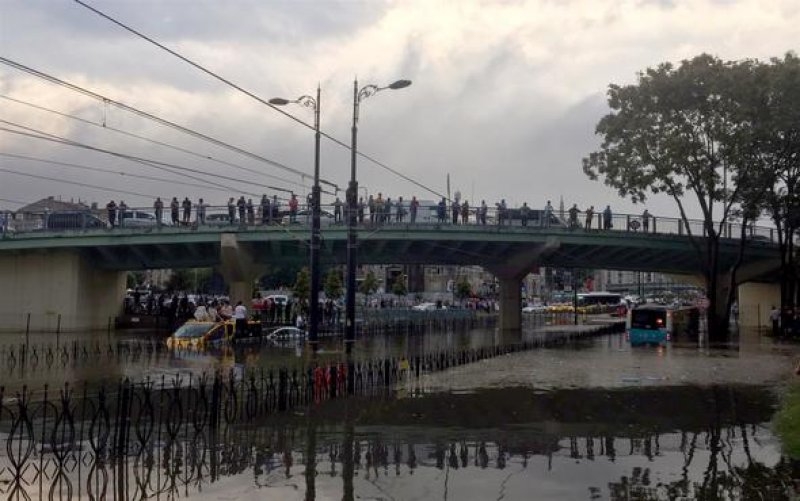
333 284
134 279
279 276
463 289
369 285
399 287
180 280
302 286
675 132
773 152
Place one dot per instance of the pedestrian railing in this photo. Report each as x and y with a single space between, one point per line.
219 218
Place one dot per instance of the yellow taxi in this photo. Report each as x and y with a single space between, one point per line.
201 335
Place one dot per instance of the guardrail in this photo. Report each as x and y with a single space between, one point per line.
220 217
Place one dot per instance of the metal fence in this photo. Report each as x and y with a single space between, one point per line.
220 217
130 419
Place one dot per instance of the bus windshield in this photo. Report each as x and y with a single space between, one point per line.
648 319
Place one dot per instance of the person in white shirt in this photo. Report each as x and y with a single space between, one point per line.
240 316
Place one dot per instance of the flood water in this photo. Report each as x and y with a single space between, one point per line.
591 420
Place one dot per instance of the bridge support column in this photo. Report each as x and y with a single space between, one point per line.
510 303
51 290
238 268
756 301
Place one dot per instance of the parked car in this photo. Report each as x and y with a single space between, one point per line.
140 219
73 220
304 217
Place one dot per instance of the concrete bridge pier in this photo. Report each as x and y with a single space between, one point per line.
238 268
510 303
57 289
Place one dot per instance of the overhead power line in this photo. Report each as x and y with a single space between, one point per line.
149 116
251 95
106 171
75 183
168 167
105 126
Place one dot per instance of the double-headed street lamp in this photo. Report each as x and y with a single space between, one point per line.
313 328
352 208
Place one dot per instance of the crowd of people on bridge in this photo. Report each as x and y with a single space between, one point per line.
381 210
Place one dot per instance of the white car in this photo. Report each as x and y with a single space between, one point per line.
140 219
536 308
304 217
424 307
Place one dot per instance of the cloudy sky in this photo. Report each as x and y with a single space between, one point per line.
505 94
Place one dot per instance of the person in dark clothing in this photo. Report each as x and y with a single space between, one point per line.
251 213
242 205
455 208
412 207
159 207
607 217
645 221
524 213
441 211
573 216
231 211
121 213
173 208
111 207
187 210
265 210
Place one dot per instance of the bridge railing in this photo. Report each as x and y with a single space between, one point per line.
254 216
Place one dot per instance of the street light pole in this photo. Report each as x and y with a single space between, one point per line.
352 209
314 316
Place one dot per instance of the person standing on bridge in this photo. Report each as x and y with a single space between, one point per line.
361 210
589 217
111 207
455 207
251 212
607 217
173 208
265 215
484 210
121 215
337 211
645 221
293 204
201 212
242 205
441 211
159 207
387 211
371 207
524 212
573 216
548 211
412 209
187 210
400 212
231 211
465 212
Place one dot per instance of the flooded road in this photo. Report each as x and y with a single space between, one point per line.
594 419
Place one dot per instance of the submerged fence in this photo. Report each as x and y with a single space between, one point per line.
124 419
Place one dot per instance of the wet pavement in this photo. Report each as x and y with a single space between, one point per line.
591 420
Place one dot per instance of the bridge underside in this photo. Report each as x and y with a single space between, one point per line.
509 253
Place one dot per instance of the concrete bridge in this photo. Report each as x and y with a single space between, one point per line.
79 274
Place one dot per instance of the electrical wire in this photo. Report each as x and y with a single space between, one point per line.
146 115
76 183
150 140
104 171
38 134
251 95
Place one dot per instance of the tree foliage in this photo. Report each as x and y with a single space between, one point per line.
302 286
687 132
399 287
463 289
369 285
333 284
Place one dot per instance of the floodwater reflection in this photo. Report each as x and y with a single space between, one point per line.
512 444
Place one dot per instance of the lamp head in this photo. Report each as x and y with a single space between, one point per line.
399 84
279 101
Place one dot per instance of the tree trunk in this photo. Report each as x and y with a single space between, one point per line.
718 313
